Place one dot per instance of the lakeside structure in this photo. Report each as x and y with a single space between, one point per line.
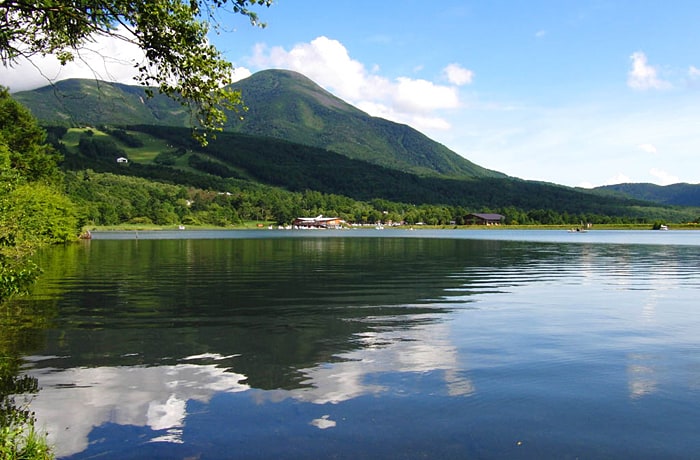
483 219
318 222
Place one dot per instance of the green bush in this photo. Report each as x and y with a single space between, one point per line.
23 442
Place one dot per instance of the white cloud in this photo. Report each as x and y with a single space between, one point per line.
458 75
106 58
239 73
403 99
423 96
649 148
540 33
664 178
693 79
323 60
642 76
139 396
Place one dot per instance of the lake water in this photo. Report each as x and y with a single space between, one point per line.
370 344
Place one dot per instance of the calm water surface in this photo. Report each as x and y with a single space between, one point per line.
374 344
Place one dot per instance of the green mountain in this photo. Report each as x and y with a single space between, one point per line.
282 105
287 105
676 194
78 102
297 137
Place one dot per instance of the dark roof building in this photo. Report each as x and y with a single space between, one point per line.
483 219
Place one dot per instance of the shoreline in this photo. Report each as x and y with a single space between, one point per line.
269 226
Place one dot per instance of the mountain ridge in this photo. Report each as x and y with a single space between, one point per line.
681 194
289 107
281 104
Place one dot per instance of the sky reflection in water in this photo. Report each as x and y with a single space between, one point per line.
370 347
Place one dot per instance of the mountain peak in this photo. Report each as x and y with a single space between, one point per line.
282 104
288 105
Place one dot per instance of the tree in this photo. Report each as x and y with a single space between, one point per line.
181 62
28 154
33 210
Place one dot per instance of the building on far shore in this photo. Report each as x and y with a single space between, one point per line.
483 219
318 222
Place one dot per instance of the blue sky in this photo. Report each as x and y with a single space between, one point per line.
575 93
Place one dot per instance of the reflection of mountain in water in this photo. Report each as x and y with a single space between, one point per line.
281 304
149 332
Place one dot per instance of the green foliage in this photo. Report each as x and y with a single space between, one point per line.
23 442
181 62
206 165
33 210
127 139
99 147
39 213
24 140
169 158
31 215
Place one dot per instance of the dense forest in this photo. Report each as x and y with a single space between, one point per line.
170 179
674 194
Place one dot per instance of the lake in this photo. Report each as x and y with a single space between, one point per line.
483 344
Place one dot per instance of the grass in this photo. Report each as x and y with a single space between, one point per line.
144 154
24 442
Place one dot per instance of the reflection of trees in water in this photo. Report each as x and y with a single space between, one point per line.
13 389
21 332
279 304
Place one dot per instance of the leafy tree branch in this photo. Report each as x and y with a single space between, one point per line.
180 61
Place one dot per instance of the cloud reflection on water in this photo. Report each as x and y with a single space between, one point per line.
74 401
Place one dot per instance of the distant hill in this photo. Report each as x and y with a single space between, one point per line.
676 194
79 102
282 104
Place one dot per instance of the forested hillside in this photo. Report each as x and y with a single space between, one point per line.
287 105
281 104
675 194
253 178
295 139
